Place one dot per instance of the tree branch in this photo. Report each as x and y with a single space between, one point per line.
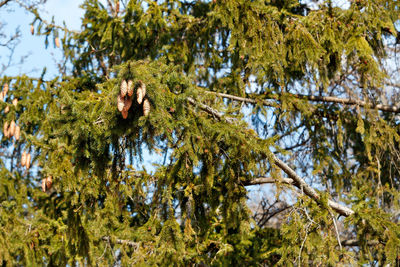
356 243
132 244
308 190
268 180
3 3
209 110
328 99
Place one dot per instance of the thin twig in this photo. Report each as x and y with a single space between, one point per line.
336 230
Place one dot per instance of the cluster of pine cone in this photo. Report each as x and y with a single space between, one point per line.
47 183
4 92
10 129
26 160
124 99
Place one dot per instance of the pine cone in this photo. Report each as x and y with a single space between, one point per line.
28 161
11 130
5 89
7 109
5 129
130 88
49 182
32 30
124 113
127 103
120 103
17 133
15 102
23 158
57 42
124 88
141 92
146 107
44 185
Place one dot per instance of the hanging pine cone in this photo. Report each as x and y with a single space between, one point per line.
141 92
124 113
120 103
146 107
127 103
57 42
44 185
7 109
28 161
139 96
32 30
15 102
124 88
49 182
5 89
130 88
23 158
17 133
5 129
11 130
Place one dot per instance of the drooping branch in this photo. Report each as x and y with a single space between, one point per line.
327 99
298 181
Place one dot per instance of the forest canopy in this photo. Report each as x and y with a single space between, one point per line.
272 126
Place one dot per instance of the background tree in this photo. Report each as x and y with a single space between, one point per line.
237 93
10 40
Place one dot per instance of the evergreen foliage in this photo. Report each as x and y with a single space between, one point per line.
300 94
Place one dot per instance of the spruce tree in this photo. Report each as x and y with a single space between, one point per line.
223 95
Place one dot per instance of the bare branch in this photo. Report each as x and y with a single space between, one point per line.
135 245
356 243
268 180
4 2
308 190
209 110
328 99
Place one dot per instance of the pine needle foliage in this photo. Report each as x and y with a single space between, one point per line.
237 91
